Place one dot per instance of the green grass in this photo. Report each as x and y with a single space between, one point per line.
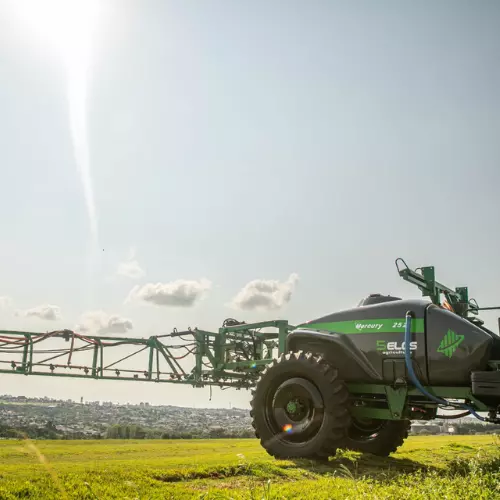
430 467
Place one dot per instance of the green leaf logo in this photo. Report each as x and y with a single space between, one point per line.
450 343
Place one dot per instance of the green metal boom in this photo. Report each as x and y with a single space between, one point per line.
231 357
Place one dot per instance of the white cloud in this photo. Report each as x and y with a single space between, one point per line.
130 268
5 302
47 312
102 323
265 294
180 293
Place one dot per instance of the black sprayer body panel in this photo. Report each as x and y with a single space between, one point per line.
340 350
445 347
377 332
455 348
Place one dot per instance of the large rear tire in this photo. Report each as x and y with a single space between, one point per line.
378 437
299 408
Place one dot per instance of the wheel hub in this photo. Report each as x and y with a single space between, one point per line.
297 409
292 407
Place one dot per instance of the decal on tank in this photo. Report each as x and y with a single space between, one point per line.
450 343
385 325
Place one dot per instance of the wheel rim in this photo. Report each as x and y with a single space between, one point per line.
365 429
295 410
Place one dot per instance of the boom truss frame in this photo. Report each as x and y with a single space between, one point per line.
231 357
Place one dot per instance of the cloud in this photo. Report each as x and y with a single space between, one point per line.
179 293
130 268
266 295
47 312
102 323
5 302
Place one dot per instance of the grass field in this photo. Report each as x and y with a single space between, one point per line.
437 467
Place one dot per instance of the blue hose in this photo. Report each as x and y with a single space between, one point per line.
416 382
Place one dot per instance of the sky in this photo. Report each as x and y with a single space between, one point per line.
171 164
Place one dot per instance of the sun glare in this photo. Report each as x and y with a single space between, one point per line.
67 28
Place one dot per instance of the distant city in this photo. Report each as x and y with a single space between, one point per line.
47 418
101 419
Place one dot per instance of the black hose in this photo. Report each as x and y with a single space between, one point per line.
231 322
451 417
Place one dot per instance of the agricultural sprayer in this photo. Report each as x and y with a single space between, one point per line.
353 379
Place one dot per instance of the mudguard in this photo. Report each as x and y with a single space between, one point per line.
338 349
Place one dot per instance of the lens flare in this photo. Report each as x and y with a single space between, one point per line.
288 428
66 28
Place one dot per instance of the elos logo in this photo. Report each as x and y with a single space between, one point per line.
394 347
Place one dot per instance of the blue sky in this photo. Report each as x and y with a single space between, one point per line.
236 141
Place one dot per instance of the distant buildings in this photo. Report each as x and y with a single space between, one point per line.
93 418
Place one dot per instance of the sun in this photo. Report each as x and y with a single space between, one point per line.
65 26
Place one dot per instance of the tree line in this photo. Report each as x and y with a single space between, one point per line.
121 431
